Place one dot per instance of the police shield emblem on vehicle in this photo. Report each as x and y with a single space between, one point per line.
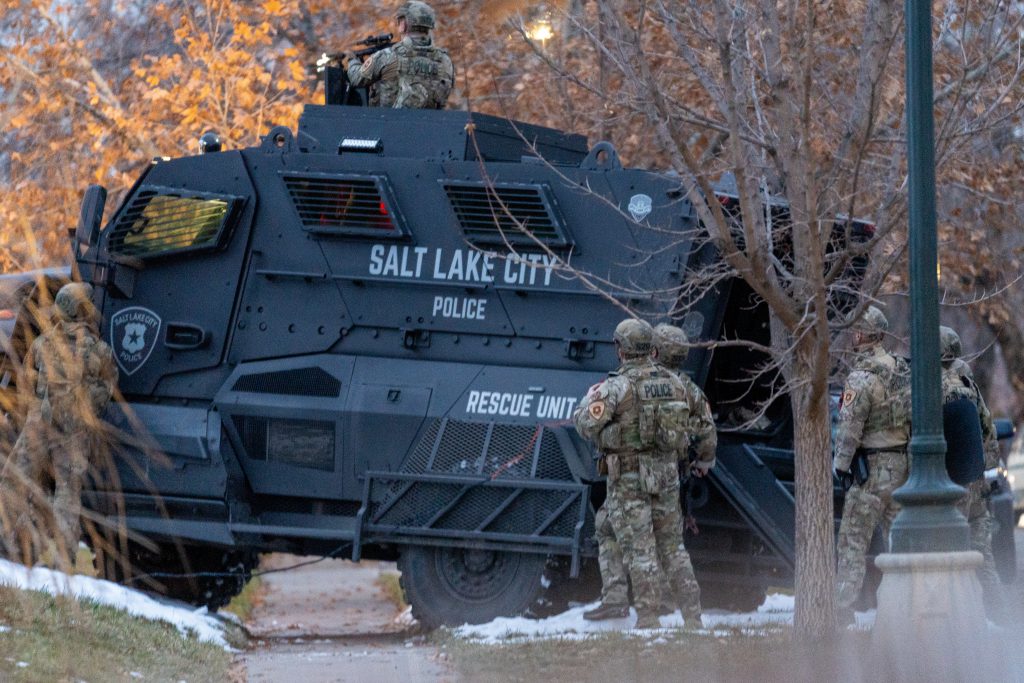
133 334
639 206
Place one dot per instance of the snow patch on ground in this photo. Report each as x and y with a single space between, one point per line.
777 610
199 622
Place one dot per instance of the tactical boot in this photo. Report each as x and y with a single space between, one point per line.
603 611
692 620
647 620
666 608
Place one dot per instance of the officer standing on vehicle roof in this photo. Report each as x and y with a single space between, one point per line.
413 74
71 375
958 382
874 426
635 418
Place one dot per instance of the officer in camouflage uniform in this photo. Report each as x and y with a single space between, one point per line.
413 74
958 382
874 423
670 349
71 375
637 419
670 346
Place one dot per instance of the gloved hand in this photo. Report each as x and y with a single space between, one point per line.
845 478
700 469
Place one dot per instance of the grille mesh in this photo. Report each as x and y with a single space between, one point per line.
509 453
253 431
495 214
298 382
496 451
344 204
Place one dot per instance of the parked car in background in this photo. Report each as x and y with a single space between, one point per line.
23 296
1015 477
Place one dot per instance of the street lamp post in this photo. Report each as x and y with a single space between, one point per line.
930 623
928 521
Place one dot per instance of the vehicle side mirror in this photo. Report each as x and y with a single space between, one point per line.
91 216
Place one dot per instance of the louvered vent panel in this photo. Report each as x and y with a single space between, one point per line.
159 221
494 214
297 382
357 205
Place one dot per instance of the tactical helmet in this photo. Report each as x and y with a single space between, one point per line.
74 301
417 15
873 323
671 343
949 344
633 337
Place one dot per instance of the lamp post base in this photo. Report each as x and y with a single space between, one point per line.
931 624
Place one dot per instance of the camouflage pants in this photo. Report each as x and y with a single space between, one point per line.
649 530
864 509
974 507
42 449
614 586
614 576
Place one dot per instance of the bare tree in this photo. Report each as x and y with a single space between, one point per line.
802 100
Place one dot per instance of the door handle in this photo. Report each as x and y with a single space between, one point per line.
185 336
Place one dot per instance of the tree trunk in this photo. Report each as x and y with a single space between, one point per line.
1011 341
815 616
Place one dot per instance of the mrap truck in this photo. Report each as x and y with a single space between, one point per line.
366 339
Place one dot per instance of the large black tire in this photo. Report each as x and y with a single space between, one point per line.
731 596
453 586
203 576
561 590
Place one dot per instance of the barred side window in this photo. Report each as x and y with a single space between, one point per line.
519 214
345 204
158 221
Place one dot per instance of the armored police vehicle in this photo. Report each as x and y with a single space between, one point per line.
366 338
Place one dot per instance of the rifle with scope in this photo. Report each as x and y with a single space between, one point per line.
337 89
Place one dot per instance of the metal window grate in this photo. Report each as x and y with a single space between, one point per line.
345 205
301 443
297 382
514 213
158 221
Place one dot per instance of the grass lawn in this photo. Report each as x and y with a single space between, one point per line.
60 639
669 655
249 599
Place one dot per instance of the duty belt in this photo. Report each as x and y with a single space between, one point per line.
629 461
888 449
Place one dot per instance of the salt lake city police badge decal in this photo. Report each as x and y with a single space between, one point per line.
639 206
133 335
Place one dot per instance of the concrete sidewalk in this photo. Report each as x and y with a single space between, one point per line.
330 621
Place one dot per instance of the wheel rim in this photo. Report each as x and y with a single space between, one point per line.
476 575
